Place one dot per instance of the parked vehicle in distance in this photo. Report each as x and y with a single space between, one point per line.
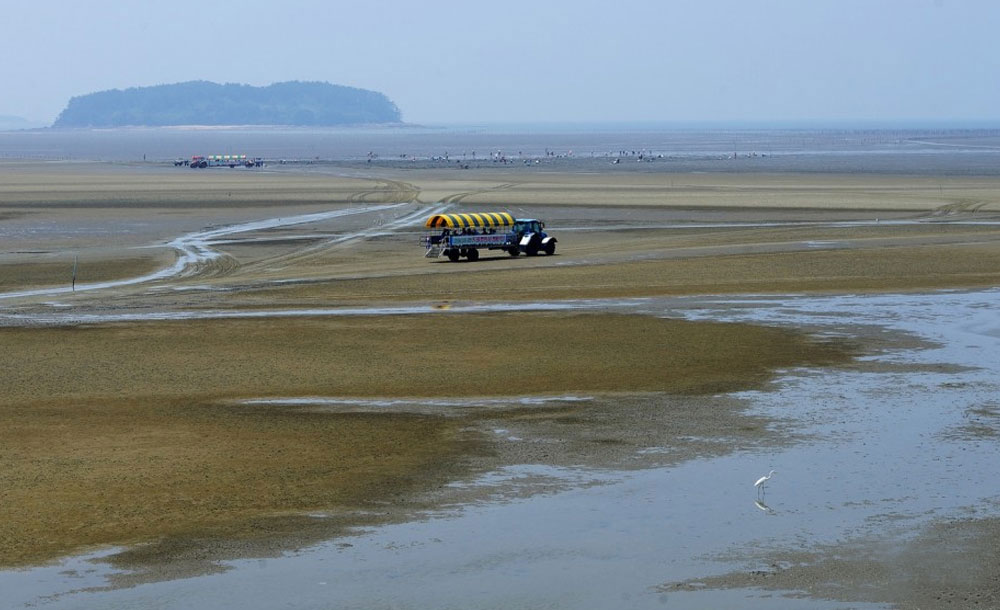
201 161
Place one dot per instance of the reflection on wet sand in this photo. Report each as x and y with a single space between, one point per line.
764 507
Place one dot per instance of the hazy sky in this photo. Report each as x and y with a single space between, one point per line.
536 60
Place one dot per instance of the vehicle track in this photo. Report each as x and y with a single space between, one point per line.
959 207
196 255
386 191
458 197
381 226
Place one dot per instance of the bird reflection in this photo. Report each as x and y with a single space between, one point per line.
764 507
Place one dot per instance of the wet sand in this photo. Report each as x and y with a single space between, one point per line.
156 397
951 563
143 399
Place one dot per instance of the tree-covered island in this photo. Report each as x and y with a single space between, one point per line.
206 103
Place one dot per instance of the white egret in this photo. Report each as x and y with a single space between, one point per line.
760 482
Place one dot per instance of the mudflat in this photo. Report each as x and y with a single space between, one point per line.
117 433
129 433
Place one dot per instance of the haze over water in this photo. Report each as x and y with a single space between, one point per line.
669 148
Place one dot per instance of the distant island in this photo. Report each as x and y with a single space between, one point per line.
206 103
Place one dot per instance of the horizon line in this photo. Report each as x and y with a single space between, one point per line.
620 124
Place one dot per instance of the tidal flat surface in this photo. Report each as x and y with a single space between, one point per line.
884 451
633 497
641 147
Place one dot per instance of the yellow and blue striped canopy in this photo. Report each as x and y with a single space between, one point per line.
461 221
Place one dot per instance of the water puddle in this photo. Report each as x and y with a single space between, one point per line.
411 405
56 318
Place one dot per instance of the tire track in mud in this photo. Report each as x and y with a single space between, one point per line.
196 255
959 207
458 197
381 228
220 266
386 191
443 205
217 263
198 258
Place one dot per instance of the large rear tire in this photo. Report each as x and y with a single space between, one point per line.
534 244
550 248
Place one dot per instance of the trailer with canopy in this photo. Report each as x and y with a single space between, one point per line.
464 235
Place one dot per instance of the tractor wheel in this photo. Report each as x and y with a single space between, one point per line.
534 244
513 251
453 255
550 248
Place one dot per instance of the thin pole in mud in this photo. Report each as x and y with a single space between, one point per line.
76 261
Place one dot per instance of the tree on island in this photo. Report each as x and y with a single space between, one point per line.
207 103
